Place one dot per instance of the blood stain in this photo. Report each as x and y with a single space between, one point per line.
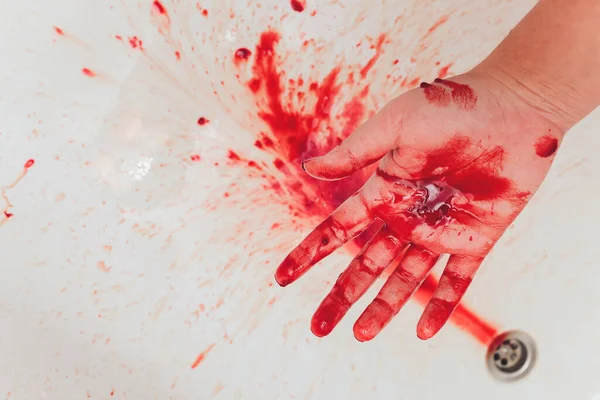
241 54
177 55
195 157
7 204
202 121
202 356
298 5
300 130
462 95
233 156
88 72
59 31
546 146
159 7
436 95
444 71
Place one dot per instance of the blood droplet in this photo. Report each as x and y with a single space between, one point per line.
546 146
59 31
241 54
298 5
29 163
202 121
88 72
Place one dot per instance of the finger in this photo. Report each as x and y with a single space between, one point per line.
455 280
374 258
367 144
396 291
346 222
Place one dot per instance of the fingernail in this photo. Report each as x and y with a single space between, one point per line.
304 163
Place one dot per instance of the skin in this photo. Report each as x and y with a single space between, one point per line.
458 160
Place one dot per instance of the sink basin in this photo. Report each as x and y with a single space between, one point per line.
150 184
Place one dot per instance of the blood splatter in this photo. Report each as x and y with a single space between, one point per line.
159 7
443 19
202 356
241 54
177 55
135 43
233 156
205 12
88 72
305 127
436 95
202 121
3 195
161 17
444 71
298 5
546 146
195 157
365 70
59 31
462 95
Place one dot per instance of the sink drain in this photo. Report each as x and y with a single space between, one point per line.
511 355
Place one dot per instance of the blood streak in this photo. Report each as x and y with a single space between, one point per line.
3 195
546 146
484 332
300 127
202 356
444 71
88 72
373 60
59 31
436 95
159 13
463 95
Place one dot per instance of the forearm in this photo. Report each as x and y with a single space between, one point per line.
552 59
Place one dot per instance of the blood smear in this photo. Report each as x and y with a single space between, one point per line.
301 125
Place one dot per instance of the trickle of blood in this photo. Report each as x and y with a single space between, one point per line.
7 204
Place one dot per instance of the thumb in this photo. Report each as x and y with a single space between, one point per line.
367 144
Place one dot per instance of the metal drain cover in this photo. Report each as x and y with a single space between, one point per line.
511 355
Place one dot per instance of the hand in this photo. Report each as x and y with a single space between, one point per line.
458 161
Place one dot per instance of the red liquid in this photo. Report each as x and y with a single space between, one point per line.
298 130
546 146
298 5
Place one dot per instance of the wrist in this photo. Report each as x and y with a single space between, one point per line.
558 102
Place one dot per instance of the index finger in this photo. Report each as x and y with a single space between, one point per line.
350 219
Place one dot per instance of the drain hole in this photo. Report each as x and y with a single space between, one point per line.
511 355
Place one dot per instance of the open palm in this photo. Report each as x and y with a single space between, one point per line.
458 161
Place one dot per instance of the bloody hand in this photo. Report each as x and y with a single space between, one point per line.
457 162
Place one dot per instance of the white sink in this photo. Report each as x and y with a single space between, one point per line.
138 249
